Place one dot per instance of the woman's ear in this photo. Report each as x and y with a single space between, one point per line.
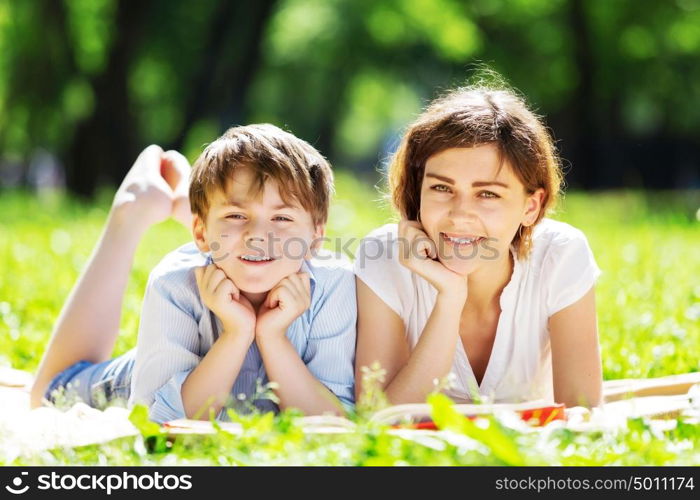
533 205
199 233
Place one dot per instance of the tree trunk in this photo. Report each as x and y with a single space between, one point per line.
585 158
227 70
104 145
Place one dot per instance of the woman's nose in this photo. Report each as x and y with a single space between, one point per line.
461 207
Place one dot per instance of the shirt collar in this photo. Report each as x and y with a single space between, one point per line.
306 268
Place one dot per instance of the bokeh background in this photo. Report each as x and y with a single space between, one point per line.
86 84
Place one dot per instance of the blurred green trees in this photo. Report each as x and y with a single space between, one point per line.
93 81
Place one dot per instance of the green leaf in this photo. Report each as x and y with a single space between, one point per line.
446 417
139 417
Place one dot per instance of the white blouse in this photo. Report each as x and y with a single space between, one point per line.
559 271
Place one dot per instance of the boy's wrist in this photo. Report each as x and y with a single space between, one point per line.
235 334
269 334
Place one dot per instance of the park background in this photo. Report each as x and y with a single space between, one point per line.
86 84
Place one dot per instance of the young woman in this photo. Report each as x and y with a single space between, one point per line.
474 280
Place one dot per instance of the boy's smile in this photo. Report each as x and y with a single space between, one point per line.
256 238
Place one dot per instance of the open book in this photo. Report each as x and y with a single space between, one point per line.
411 416
664 397
417 416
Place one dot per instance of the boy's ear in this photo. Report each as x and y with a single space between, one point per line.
533 205
199 234
320 231
317 243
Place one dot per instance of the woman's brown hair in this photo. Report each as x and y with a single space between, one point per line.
469 117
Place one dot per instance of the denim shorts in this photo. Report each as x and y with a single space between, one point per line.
96 384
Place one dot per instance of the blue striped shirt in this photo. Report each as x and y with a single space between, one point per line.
177 330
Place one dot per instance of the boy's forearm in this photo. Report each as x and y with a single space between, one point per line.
297 387
209 385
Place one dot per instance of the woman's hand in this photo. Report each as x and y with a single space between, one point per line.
219 294
284 303
418 253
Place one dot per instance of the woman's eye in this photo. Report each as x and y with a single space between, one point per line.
441 188
488 194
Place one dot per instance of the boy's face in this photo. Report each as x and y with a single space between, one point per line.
256 240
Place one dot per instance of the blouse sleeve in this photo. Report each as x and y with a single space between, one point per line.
571 270
377 265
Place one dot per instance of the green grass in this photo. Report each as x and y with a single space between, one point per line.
279 440
648 301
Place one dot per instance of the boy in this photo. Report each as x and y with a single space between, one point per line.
256 307
246 302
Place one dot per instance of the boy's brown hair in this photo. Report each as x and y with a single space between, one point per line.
302 173
469 117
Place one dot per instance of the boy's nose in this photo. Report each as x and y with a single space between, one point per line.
255 243
256 231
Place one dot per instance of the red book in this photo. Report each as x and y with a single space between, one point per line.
417 416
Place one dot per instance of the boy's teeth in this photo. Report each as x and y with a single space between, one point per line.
255 258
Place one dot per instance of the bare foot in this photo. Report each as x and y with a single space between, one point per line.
175 169
144 197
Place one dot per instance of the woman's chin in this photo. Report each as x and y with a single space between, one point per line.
460 266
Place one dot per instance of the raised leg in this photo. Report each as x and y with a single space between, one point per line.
88 325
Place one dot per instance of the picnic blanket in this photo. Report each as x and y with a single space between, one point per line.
23 430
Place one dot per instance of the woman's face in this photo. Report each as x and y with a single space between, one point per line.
472 205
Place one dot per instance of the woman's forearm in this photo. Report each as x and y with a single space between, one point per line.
433 356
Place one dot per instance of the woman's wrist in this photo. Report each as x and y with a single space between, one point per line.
456 296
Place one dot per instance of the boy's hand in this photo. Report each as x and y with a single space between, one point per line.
219 294
284 303
421 257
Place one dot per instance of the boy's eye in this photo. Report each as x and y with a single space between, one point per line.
282 218
441 188
488 194
235 216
